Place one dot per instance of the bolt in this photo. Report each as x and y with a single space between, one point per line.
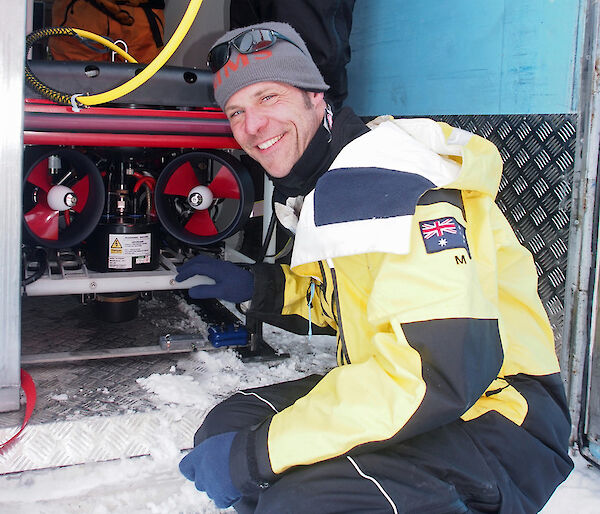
195 199
93 285
70 200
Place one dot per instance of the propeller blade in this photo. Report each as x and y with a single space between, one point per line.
81 188
182 180
201 224
224 184
43 221
40 176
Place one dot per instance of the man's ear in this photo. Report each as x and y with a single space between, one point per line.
316 98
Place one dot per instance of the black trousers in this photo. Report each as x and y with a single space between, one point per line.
323 24
452 469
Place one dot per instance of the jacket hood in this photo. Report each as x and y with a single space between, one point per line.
474 161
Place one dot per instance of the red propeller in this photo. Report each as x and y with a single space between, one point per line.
201 224
40 177
200 210
43 220
184 179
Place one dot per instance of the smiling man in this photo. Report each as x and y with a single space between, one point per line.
274 122
447 397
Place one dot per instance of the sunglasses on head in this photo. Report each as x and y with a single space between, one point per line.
248 42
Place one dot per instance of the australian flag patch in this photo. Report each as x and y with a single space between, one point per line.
443 234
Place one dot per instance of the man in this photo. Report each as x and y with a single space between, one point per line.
447 397
324 25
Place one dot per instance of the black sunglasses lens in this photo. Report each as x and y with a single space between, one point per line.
218 57
253 40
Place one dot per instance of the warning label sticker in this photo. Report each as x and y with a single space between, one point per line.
116 247
126 249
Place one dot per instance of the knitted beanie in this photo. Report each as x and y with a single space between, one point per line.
281 62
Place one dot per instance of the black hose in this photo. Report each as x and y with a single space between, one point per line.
41 257
36 84
265 246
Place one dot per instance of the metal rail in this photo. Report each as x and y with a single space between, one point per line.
80 280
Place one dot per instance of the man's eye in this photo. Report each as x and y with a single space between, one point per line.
268 97
234 114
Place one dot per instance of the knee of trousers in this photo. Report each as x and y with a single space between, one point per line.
231 415
216 422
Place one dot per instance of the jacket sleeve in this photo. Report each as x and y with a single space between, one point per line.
423 350
281 298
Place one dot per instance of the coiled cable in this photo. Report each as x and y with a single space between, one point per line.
37 35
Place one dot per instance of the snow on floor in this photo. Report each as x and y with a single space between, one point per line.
152 484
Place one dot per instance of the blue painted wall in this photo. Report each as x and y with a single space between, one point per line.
420 57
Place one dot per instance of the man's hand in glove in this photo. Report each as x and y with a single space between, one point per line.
207 466
232 283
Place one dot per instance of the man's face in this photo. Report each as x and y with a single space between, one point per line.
274 122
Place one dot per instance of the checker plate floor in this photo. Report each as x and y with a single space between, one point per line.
98 402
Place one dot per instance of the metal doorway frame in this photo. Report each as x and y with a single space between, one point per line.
12 48
583 279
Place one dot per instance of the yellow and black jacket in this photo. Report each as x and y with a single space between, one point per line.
402 252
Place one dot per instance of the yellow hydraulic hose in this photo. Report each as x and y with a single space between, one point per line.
106 42
123 89
155 65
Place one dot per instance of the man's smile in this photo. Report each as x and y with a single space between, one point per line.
269 143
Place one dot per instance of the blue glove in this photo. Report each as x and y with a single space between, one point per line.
207 466
232 283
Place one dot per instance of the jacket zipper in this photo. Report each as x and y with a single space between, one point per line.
345 359
323 287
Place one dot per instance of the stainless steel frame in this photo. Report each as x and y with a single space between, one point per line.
580 356
582 281
12 49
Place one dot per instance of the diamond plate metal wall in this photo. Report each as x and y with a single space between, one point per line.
538 152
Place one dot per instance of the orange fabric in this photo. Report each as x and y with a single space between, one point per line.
125 21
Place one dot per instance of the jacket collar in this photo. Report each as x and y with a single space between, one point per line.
318 156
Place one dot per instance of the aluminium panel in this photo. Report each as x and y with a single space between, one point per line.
12 28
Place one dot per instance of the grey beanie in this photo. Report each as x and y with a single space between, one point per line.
281 62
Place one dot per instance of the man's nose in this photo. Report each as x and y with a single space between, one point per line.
255 121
